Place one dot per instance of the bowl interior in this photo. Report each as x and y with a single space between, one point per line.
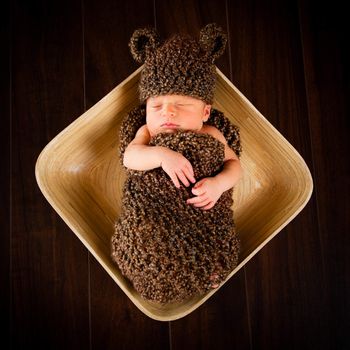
80 175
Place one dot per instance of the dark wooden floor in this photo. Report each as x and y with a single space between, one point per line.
290 59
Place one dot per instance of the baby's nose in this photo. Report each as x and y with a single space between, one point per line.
168 110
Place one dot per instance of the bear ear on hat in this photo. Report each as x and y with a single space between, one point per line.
141 42
212 40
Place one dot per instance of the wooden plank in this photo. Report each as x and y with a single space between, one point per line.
285 303
108 26
219 323
222 321
108 60
49 268
326 59
5 171
116 322
189 17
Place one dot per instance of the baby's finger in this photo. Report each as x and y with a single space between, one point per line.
189 173
182 177
209 206
200 183
200 202
196 200
174 179
198 191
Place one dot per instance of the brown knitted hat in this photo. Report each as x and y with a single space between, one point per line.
181 65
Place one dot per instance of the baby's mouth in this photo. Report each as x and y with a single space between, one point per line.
170 125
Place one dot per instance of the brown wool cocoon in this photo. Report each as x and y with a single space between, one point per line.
165 247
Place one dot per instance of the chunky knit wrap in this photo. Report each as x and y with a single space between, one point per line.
170 250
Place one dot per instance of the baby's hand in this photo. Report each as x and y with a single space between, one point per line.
177 167
207 192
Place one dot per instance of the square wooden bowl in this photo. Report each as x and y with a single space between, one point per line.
79 174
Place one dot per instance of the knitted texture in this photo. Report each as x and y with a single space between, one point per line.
181 65
168 249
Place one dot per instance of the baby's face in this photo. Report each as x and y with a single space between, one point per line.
170 113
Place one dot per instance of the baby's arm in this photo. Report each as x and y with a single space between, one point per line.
140 156
209 190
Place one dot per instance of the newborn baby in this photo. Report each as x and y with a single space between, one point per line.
175 236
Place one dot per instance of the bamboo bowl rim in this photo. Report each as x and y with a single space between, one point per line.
79 174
